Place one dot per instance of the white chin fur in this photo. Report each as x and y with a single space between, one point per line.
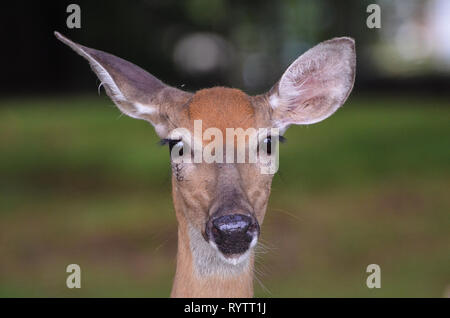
208 260
234 260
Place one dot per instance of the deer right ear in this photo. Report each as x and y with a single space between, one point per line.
136 92
315 85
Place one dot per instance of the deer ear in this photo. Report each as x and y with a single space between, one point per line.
136 92
315 85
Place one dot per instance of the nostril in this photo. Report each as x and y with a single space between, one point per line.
253 227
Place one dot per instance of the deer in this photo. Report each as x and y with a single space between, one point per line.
220 206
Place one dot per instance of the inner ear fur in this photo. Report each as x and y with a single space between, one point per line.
315 85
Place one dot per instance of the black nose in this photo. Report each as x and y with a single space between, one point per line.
233 233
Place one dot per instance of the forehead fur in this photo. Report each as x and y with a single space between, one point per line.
222 108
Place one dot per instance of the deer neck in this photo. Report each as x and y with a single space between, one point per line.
201 273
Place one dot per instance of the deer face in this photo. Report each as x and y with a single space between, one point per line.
220 200
223 200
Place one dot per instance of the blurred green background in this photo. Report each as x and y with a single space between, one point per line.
79 183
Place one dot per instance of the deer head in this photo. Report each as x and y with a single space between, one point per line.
220 204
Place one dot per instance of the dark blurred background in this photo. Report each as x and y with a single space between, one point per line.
81 184
246 44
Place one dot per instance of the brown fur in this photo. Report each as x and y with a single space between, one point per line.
239 187
222 108
187 283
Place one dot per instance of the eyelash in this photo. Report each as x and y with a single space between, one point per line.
172 143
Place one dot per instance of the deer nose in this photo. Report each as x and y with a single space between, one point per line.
231 224
233 233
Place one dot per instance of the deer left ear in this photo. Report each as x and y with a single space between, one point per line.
315 85
136 92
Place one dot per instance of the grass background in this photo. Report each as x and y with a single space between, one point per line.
81 184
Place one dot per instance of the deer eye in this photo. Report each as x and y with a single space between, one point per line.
173 143
178 145
269 144
266 145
